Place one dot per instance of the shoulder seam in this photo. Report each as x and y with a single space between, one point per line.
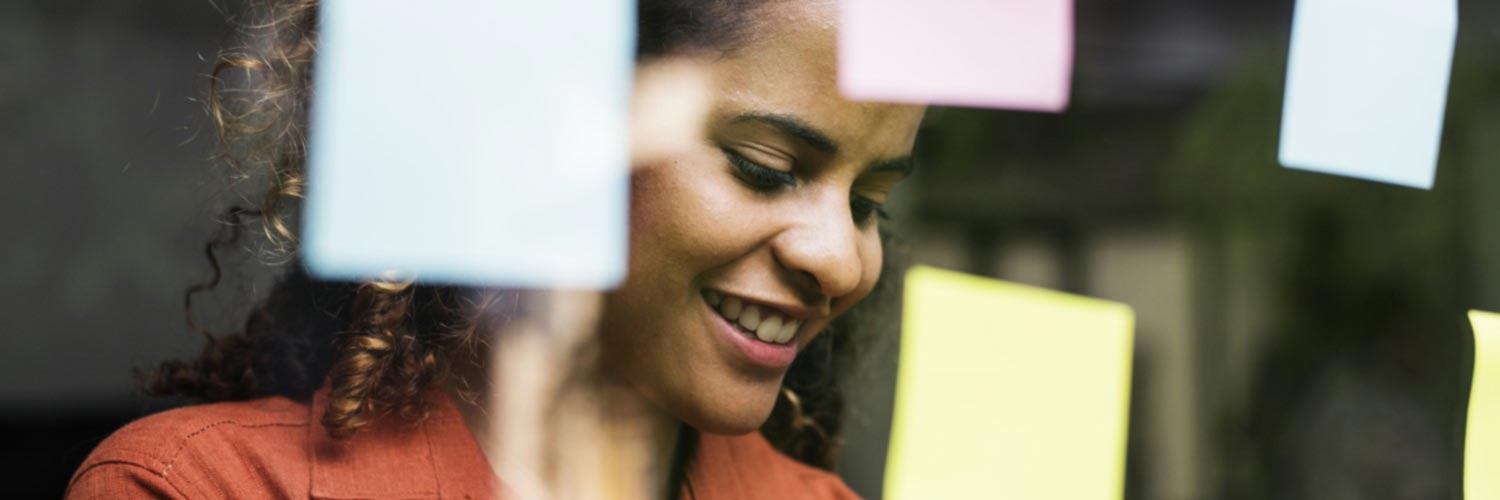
127 464
172 459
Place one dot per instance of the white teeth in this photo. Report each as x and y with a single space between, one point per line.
769 329
768 325
788 331
731 308
750 319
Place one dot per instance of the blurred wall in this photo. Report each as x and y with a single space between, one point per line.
108 201
111 196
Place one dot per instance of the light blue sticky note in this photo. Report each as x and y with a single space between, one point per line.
1367 83
471 142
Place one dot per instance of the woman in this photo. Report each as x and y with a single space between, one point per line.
747 252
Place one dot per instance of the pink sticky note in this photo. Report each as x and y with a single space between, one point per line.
1014 54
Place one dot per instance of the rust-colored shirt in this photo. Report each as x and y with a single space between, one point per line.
275 448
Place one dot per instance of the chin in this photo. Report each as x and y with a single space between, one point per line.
721 414
731 424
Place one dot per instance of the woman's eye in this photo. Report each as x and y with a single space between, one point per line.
759 177
865 209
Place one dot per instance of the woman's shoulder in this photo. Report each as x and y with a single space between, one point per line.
732 466
188 451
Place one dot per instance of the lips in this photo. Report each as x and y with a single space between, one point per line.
758 335
767 324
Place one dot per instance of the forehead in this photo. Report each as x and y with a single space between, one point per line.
788 65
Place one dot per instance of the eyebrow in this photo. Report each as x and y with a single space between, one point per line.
903 165
795 127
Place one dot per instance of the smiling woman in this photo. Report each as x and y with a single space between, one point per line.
774 213
749 252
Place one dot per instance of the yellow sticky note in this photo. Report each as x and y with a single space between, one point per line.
1008 391
1482 450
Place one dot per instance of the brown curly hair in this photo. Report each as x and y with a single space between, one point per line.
381 345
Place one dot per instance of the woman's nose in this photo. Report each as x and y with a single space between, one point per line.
822 248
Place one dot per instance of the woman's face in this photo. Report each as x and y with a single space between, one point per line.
765 225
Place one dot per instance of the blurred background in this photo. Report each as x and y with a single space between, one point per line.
1299 336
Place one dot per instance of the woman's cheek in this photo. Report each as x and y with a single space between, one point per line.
872 256
725 220
876 261
673 206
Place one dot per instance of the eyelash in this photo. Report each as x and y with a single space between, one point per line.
863 208
765 179
759 177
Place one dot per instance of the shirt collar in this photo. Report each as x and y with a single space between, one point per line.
390 459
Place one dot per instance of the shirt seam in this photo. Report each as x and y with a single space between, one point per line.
128 464
170 463
172 459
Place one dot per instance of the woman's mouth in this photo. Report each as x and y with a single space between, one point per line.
764 323
764 336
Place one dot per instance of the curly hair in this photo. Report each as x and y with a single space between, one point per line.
381 345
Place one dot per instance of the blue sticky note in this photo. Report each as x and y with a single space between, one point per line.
480 143
1366 87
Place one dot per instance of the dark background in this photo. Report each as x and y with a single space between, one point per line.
1299 336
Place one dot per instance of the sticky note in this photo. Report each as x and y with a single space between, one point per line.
1008 391
1482 439
471 142
1366 87
1012 54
